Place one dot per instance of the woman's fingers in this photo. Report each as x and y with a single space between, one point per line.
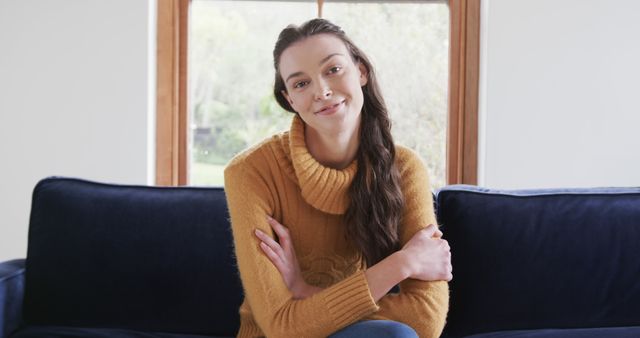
432 254
282 254
270 242
438 233
281 231
430 230
273 256
433 231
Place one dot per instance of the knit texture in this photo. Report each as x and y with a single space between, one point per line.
280 178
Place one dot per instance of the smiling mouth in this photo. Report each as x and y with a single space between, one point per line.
329 108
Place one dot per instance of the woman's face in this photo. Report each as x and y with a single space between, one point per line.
323 84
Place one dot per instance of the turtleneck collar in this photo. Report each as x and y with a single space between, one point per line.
324 188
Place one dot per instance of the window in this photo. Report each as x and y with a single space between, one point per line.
422 118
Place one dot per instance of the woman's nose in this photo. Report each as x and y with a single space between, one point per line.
323 92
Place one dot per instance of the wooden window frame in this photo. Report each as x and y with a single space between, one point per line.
464 64
171 101
171 92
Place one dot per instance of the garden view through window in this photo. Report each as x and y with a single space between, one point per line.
231 104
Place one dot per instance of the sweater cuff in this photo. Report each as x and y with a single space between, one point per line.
249 331
350 300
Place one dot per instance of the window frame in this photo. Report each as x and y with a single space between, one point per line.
171 92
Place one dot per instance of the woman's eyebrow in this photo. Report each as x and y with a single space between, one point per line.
328 57
319 63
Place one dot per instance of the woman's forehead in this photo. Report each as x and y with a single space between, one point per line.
311 52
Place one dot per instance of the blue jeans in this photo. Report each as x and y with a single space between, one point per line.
376 329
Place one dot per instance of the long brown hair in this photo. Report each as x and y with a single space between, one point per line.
376 203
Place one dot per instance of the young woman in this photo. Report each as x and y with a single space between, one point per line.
330 215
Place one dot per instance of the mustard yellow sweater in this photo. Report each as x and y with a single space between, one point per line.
280 178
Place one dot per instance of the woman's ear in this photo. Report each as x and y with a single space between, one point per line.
364 74
286 96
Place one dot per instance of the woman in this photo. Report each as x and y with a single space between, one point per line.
330 215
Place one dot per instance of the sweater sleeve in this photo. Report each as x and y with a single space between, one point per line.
250 200
419 304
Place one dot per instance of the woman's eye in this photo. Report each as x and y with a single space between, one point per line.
334 69
299 84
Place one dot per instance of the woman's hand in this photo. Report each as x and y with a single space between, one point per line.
428 255
283 256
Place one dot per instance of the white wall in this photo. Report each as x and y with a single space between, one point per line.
74 99
560 82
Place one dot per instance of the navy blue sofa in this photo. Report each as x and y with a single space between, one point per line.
107 260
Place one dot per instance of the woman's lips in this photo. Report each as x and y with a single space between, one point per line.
331 109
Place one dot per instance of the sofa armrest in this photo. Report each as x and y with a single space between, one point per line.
11 295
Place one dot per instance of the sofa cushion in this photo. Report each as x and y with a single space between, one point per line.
81 332
135 257
608 332
552 258
11 295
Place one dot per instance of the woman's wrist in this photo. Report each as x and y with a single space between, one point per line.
403 261
304 290
387 273
311 290
298 290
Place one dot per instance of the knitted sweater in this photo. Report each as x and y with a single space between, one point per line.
280 178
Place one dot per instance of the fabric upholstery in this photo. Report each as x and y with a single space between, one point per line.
551 258
11 295
136 257
602 332
82 332
108 260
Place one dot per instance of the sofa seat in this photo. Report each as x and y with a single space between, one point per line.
39 331
609 332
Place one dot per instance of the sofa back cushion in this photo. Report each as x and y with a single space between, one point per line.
136 257
552 258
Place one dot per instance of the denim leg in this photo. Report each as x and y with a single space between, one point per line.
376 329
